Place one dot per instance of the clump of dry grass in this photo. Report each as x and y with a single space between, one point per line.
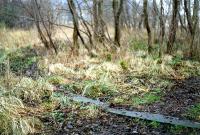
32 91
13 120
97 77
16 117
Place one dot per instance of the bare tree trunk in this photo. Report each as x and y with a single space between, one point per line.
47 29
195 26
134 14
146 21
95 20
99 24
140 24
188 15
101 21
162 27
192 21
88 32
117 9
36 13
154 21
128 16
125 17
181 22
76 26
173 26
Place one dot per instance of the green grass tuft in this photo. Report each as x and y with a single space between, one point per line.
56 80
193 112
137 45
147 98
108 57
124 65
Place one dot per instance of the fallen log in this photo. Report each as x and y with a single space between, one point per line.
134 114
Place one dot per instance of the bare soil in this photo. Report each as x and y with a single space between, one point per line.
175 102
179 98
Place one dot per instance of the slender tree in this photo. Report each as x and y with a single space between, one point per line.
146 22
101 21
173 26
162 27
95 20
74 13
155 14
48 27
99 24
117 10
192 21
88 31
41 15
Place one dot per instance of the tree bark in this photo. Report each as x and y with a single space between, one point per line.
99 24
128 16
88 32
155 14
95 20
76 26
173 26
181 22
101 21
47 28
117 9
192 22
146 22
162 27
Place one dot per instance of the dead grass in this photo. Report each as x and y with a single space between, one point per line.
128 77
85 68
18 113
15 38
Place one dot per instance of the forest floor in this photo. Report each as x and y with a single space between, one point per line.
175 102
134 81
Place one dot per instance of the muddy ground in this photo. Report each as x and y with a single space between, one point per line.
175 102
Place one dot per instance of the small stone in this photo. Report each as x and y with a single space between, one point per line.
79 122
69 125
115 126
135 132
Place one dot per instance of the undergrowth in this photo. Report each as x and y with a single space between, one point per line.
20 61
16 99
134 79
193 112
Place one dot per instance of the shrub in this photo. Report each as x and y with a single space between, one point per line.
19 61
22 59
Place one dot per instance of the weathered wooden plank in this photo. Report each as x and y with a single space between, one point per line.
142 115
